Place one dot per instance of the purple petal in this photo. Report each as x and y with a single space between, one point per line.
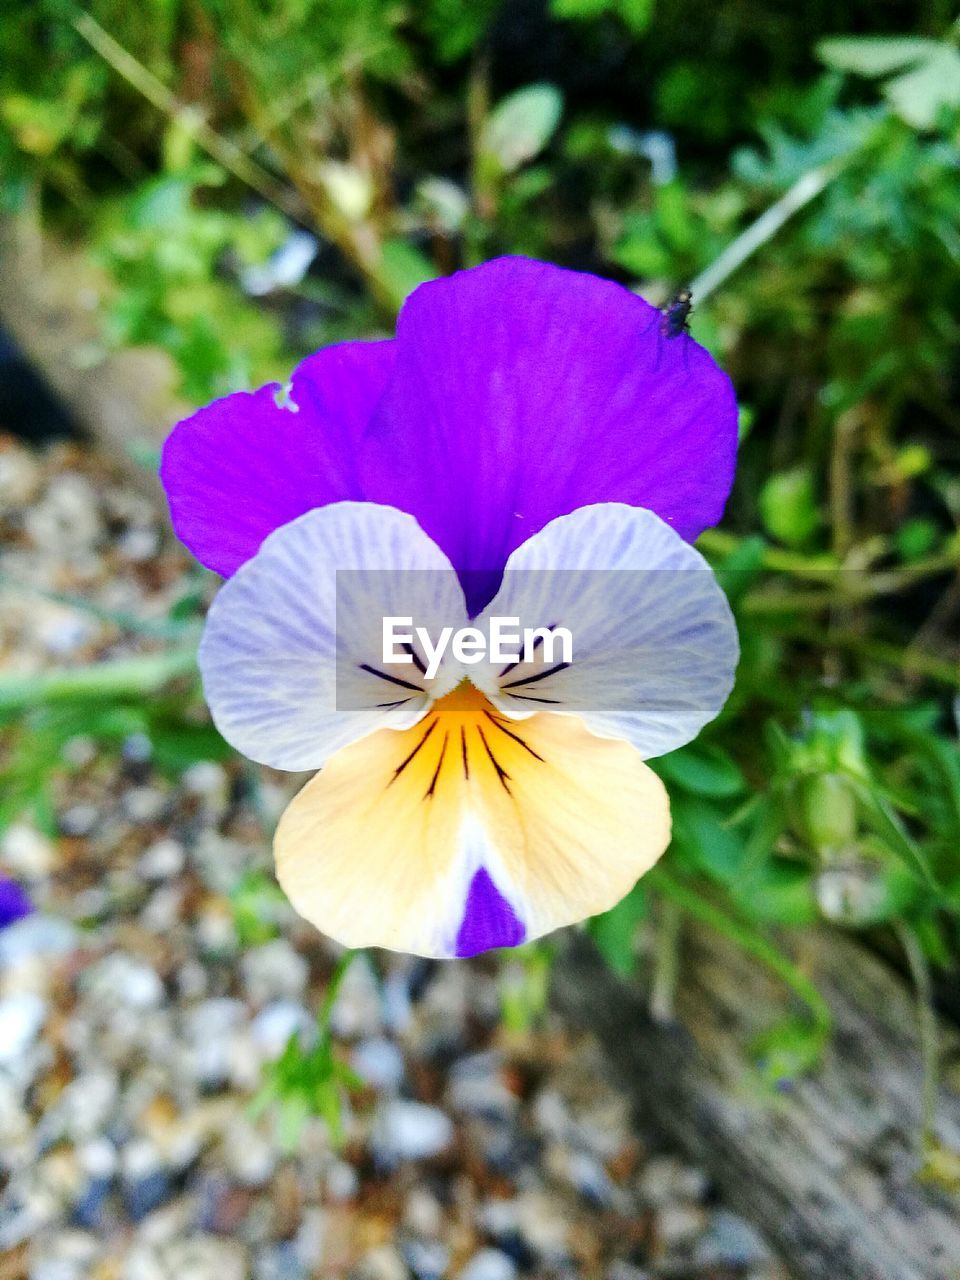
14 903
488 919
242 467
522 392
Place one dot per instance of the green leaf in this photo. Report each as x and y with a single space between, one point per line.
635 14
614 931
455 26
919 96
788 506
788 1050
740 569
177 746
874 55
930 79
292 1114
403 268
890 829
259 907
701 832
521 125
703 770
780 891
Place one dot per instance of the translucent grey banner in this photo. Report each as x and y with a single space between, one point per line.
549 639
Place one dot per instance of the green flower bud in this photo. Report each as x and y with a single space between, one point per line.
828 811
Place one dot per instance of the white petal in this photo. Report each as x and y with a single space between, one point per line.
293 639
654 642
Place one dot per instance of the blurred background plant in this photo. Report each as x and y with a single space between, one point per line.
256 180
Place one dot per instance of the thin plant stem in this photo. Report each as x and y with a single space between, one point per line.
233 158
333 990
909 660
123 678
824 568
666 962
806 188
700 909
927 1027
720 542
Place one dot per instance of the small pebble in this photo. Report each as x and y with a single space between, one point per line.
678 1225
273 1026
273 971
666 1179
143 805
120 979
248 1155
279 1262
36 936
138 545
137 749
357 1009
490 1264
21 1020
477 1087
343 1182
198 1257
79 820
730 1241
427 1259
410 1131
26 853
381 1263
80 751
84 1110
20 478
422 1214
379 1062
619 1270
146 1183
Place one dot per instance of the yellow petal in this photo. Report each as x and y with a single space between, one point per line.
534 824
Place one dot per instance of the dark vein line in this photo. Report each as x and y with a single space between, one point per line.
417 660
542 675
502 774
463 752
404 684
403 764
387 705
436 772
528 697
515 736
536 645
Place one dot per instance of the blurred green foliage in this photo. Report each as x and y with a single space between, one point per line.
638 141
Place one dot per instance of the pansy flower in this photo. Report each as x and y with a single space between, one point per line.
530 446
14 903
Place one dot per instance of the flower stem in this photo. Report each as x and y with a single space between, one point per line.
666 961
124 678
927 1026
751 942
806 188
333 990
225 152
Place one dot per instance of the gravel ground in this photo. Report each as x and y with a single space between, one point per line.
136 1017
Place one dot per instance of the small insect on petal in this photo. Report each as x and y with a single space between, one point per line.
676 314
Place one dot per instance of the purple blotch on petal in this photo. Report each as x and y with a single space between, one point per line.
253 461
14 903
488 919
